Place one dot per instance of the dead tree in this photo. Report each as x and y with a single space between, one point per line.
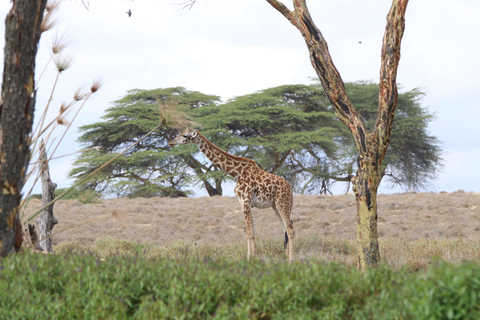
47 220
17 104
371 146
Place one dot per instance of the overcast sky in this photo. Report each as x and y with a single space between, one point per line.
236 47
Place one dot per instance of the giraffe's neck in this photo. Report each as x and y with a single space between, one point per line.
232 165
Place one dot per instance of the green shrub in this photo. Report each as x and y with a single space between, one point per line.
35 196
72 286
83 196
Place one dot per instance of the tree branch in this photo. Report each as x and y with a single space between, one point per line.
280 160
327 72
388 71
283 10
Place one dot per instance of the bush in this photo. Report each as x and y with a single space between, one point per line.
83 196
83 286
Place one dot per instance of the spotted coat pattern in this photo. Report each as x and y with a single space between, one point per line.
255 187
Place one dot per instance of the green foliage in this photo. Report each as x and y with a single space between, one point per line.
271 124
414 156
289 130
292 131
82 286
35 196
83 196
151 168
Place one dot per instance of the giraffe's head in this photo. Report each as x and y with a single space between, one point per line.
187 136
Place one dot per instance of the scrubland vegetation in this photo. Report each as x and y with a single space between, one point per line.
76 286
413 228
185 258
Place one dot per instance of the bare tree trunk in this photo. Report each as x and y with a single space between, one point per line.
47 220
371 146
197 167
218 186
22 33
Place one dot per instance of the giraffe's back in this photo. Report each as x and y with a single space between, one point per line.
268 188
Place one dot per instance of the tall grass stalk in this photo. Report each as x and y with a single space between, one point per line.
80 182
91 174
62 63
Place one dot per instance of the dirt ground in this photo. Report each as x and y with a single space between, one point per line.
219 219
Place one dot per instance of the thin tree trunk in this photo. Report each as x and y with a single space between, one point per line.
47 220
371 146
218 186
217 191
196 166
279 161
22 33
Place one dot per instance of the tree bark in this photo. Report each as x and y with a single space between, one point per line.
371 146
47 220
217 191
218 187
279 160
22 33
196 166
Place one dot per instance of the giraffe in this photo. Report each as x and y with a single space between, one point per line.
255 187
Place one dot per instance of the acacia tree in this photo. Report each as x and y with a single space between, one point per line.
292 131
22 34
289 130
271 124
151 168
266 126
372 145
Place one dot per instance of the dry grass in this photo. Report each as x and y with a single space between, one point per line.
413 228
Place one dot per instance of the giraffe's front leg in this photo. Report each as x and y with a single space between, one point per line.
247 211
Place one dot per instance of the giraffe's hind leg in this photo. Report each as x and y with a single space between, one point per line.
282 209
286 238
283 225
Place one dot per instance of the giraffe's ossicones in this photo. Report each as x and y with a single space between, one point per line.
255 187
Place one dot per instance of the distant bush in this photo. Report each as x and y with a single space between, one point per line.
82 286
35 196
83 196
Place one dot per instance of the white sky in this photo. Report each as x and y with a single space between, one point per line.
236 47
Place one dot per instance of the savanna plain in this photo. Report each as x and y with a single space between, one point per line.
185 258
413 227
